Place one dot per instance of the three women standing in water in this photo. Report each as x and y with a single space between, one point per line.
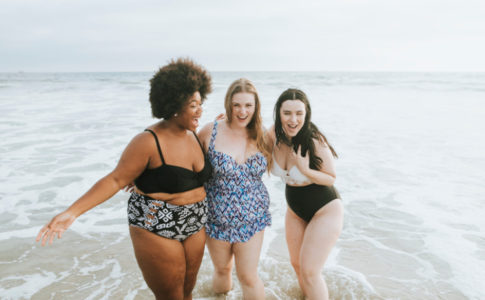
166 233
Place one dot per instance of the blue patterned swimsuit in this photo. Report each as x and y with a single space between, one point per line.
237 199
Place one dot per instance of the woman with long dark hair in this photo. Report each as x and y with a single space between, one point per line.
303 158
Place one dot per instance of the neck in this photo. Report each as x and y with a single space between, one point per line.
236 129
172 126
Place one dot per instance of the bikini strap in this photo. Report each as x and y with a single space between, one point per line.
213 136
200 144
158 144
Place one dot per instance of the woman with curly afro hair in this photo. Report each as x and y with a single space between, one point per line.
168 235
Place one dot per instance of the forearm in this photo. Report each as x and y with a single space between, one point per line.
190 197
319 177
103 190
183 198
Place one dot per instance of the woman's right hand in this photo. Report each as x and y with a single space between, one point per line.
56 226
221 116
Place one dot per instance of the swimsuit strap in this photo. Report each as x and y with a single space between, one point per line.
213 136
200 144
158 144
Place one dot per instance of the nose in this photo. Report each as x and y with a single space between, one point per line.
199 109
293 118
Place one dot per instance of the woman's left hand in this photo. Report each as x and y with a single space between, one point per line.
302 162
221 116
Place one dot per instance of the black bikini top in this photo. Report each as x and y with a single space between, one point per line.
172 179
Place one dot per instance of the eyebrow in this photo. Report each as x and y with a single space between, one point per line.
289 110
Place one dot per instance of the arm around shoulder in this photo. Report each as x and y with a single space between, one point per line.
204 135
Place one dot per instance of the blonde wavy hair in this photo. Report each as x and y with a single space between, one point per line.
255 127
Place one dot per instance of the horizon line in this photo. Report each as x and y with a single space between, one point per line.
257 71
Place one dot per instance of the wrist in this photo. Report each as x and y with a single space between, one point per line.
305 171
73 212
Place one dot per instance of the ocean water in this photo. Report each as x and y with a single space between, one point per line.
411 171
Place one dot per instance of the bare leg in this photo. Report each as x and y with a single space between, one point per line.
320 236
247 258
222 258
162 262
194 251
295 230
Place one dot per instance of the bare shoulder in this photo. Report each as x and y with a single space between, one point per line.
270 133
135 156
205 133
319 142
322 149
141 142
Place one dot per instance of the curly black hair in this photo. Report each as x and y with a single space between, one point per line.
174 84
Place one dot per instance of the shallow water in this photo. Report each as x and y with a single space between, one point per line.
410 174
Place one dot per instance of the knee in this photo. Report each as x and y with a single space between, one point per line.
296 265
189 285
172 288
248 279
310 273
168 293
223 271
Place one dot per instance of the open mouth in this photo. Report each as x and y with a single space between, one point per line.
242 118
292 126
195 122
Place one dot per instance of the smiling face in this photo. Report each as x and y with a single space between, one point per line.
243 106
292 115
189 116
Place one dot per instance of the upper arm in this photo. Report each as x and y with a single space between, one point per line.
323 151
133 160
204 135
271 137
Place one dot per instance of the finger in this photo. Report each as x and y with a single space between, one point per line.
60 234
45 237
51 239
41 233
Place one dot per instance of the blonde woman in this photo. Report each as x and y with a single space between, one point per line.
237 199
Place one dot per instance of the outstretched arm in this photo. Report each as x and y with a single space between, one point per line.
131 164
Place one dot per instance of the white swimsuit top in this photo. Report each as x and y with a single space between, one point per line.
293 176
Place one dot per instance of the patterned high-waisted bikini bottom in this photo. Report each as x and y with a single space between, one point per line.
176 222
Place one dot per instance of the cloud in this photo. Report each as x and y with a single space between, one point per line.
242 35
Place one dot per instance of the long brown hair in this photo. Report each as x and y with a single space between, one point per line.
307 133
255 126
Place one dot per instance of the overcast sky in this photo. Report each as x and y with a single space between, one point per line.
264 35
